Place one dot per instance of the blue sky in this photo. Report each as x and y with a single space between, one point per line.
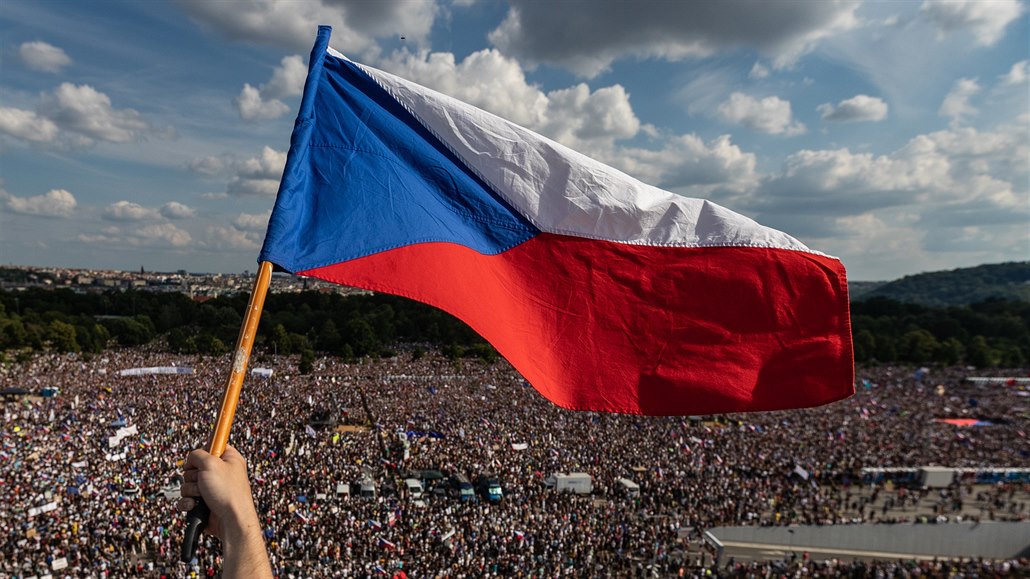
894 135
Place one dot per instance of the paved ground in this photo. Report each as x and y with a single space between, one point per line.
977 502
973 502
757 552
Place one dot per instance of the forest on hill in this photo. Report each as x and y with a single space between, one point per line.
991 333
956 287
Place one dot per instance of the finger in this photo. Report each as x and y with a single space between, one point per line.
190 475
230 452
233 455
198 458
185 504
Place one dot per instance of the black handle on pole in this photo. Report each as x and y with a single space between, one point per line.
196 522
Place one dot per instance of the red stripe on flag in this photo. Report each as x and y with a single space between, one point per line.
612 327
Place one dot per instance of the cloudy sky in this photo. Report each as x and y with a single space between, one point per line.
894 135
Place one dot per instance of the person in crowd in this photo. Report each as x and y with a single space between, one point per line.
78 499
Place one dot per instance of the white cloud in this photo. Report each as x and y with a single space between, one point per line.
1016 75
486 79
259 175
263 103
759 70
53 203
210 165
39 55
689 165
857 108
220 237
985 20
771 115
129 211
253 107
956 104
287 78
356 23
159 235
246 232
587 41
253 222
27 125
706 90
979 176
176 210
88 114
156 235
575 116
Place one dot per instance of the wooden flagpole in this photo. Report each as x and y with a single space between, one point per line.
196 519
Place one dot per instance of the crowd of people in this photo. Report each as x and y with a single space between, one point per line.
81 498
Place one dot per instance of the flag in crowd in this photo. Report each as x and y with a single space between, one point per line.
605 293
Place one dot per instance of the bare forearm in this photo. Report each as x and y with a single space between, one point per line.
244 554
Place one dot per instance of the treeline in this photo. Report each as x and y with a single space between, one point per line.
987 334
346 326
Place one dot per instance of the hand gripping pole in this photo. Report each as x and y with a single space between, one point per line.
196 518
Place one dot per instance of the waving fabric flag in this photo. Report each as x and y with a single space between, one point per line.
605 293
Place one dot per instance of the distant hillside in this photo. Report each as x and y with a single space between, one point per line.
859 289
959 287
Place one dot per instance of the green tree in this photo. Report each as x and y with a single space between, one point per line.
886 351
361 337
130 331
949 352
281 340
329 339
1010 356
918 346
979 354
13 334
61 336
865 345
210 345
347 353
307 361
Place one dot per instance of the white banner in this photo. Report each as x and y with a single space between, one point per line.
155 370
44 509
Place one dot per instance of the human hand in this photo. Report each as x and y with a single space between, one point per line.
224 486
222 483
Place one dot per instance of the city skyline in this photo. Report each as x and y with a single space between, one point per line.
895 136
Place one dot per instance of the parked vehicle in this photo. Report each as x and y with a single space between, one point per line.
367 488
413 487
630 488
573 482
461 487
489 488
342 490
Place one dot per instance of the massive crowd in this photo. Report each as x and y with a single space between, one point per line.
74 502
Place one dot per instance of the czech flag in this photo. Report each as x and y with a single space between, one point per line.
605 293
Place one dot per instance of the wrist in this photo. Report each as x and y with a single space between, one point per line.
241 525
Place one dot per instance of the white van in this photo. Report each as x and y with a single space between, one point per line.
414 488
368 488
629 487
579 483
